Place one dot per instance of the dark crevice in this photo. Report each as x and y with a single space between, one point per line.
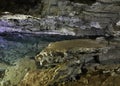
24 6
96 58
17 6
83 68
89 2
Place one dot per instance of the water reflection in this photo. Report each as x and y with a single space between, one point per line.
14 46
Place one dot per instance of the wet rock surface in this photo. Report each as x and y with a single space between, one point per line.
11 49
85 64
13 74
60 25
28 58
72 51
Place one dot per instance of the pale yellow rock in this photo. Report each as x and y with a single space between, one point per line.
14 74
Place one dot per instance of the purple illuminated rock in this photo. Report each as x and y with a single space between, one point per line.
50 25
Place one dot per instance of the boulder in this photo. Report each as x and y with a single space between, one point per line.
72 51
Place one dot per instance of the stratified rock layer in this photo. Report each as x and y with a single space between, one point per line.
72 51
65 63
80 56
60 25
106 13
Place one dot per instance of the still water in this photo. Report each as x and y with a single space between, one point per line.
16 46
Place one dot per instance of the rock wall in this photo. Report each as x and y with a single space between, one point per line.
59 25
75 63
77 52
102 76
81 62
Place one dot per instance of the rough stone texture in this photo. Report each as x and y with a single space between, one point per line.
101 10
50 25
103 13
117 29
118 23
100 75
14 74
76 51
51 76
61 7
35 6
109 1
62 63
99 15
112 56
95 60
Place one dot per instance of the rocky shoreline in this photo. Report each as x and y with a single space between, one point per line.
71 63
61 43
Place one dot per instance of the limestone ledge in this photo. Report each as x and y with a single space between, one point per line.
60 25
76 51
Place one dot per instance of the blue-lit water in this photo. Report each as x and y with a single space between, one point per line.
16 46
12 49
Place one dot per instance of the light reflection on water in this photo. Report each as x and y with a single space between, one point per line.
15 46
13 49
